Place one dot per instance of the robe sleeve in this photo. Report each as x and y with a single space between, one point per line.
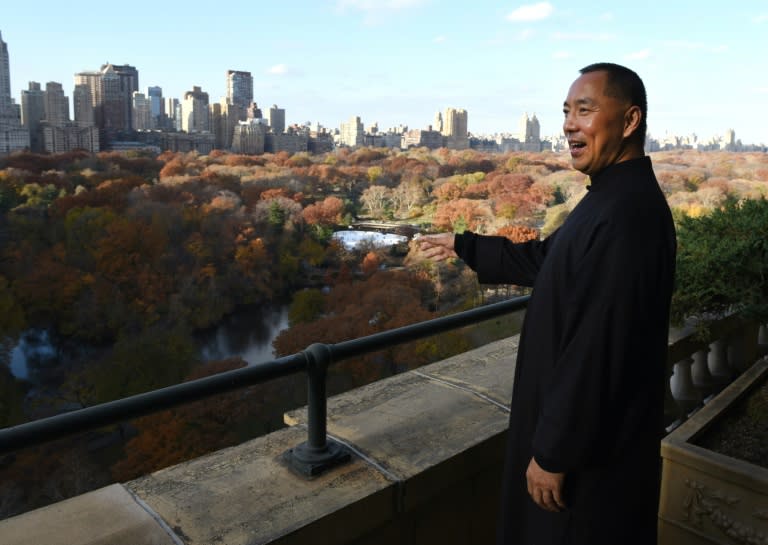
497 260
594 375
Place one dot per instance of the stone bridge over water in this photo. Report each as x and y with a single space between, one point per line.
386 227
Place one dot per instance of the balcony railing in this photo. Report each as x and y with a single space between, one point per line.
317 453
698 369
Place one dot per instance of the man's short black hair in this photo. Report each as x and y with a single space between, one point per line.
624 84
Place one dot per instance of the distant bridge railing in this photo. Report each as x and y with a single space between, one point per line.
698 369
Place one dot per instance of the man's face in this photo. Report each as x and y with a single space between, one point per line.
594 124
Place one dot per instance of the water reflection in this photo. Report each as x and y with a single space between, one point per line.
247 333
34 349
352 240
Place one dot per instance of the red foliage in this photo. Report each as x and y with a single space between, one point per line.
112 194
325 212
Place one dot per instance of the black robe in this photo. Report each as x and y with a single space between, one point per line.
589 382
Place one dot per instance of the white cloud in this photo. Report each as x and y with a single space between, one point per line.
531 12
639 55
439 39
607 16
278 70
560 55
762 18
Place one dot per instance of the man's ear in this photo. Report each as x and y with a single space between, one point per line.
632 118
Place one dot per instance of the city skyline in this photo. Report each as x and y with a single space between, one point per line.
399 61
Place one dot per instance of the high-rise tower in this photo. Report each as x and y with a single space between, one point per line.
455 129
156 106
239 88
56 104
12 135
277 119
6 101
32 114
194 111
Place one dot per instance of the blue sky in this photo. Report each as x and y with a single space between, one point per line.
705 64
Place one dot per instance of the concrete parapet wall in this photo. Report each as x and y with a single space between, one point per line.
428 449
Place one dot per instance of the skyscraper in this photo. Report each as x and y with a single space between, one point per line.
6 101
32 114
194 111
156 106
530 133
56 104
173 112
82 104
277 119
12 135
239 88
351 133
455 129
142 112
128 83
86 98
110 93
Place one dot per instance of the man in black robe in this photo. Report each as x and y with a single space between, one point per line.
582 464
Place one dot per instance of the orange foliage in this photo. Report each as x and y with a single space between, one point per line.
176 435
385 300
371 263
174 167
519 233
462 213
325 212
275 192
447 192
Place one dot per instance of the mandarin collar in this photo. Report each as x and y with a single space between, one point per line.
598 180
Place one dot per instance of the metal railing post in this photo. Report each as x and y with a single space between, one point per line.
318 453
318 360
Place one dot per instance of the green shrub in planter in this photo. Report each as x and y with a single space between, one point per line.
722 265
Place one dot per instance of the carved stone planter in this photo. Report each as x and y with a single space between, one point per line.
706 497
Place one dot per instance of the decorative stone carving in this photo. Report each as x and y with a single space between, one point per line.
704 502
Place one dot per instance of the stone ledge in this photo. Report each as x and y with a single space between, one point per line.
245 495
431 442
108 516
430 427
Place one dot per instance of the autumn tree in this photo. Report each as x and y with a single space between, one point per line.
376 198
327 212
307 305
518 233
462 214
173 436
371 263
407 197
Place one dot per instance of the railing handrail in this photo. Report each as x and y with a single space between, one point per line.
89 418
